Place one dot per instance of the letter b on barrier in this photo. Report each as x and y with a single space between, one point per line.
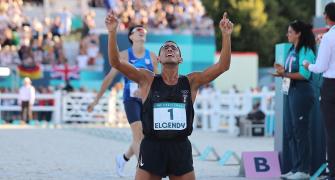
260 164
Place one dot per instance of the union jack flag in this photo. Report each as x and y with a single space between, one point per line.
65 72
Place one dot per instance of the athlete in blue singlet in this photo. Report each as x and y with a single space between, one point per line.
140 58
131 100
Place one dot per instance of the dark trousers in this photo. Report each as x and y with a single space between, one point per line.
328 110
297 106
44 115
26 113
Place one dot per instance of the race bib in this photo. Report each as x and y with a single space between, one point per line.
286 85
169 116
133 88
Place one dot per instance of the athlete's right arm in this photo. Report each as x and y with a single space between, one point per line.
154 62
131 72
106 82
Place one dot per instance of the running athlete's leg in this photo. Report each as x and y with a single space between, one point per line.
136 129
134 148
145 175
133 112
187 176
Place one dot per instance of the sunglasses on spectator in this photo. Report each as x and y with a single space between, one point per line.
139 29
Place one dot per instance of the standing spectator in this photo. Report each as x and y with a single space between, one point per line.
325 63
26 99
299 98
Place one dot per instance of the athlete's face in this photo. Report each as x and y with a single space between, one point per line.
292 36
138 34
169 54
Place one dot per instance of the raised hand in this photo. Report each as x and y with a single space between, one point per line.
91 106
112 22
226 25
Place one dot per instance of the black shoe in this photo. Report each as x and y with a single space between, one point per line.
328 178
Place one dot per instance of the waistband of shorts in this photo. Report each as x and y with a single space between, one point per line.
329 79
132 99
182 138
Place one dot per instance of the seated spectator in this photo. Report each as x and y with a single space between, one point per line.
68 87
45 115
92 52
9 56
56 28
82 58
256 115
166 16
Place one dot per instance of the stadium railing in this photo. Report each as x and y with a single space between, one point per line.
213 112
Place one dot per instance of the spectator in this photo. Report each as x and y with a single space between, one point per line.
66 20
45 115
56 28
82 58
92 51
256 115
26 100
164 16
68 87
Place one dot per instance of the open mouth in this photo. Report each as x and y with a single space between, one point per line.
169 55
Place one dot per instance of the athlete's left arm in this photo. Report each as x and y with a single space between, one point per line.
154 62
200 78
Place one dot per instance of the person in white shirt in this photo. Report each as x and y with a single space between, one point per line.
26 100
325 63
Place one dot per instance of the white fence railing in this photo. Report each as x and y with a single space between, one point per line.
8 102
216 111
213 111
75 108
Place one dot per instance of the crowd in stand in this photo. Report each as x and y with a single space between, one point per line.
29 41
161 16
26 41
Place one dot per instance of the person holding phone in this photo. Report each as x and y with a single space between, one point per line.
299 98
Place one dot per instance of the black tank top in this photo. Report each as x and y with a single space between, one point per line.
168 110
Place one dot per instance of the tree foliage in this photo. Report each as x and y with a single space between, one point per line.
259 24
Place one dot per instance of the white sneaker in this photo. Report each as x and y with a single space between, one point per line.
287 174
299 175
120 162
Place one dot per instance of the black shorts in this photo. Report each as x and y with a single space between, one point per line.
133 110
166 157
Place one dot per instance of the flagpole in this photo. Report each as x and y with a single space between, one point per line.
16 79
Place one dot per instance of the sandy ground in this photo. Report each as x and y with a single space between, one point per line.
87 153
